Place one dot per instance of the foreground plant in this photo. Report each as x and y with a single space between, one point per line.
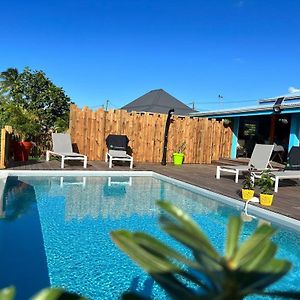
245 269
9 293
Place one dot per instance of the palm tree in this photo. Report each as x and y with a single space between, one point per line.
8 80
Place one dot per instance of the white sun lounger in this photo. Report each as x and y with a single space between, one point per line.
279 175
62 147
118 155
260 160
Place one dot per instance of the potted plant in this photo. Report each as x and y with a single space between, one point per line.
25 125
248 186
178 155
266 185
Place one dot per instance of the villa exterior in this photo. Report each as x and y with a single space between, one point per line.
273 120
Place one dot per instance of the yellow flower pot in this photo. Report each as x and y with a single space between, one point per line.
266 200
247 194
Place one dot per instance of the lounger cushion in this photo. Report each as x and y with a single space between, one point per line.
117 142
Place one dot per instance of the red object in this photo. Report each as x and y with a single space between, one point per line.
21 150
26 148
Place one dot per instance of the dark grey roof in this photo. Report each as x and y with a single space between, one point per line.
158 101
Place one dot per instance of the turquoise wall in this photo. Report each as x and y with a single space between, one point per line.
235 128
294 131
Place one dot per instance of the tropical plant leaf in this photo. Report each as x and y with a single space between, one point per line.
207 261
8 293
263 257
251 247
193 241
184 219
149 261
269 274
142 248
233 233
186 230
56 294
213 271
244 270
175 288
154 244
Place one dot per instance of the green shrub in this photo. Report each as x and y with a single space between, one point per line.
245 269
266 183
248 182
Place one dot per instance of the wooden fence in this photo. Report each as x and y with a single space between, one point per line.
6 134
206 140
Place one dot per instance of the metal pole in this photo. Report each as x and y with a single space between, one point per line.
106 104
168 122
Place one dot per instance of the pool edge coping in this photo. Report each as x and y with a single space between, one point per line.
258 211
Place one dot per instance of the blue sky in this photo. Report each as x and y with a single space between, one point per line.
243 50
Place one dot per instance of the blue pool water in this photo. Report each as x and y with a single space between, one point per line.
55 231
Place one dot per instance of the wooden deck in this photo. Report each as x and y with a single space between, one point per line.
286 201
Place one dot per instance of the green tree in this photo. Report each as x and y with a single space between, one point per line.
9 81
36 93
24 122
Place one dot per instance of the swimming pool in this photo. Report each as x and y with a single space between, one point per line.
55 230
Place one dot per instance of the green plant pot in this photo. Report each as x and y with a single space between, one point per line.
178 158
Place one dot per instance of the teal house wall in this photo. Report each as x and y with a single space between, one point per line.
294 131
235 134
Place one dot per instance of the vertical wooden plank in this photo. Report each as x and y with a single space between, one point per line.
188 139
152 137
160 136
209 141
101 123
88 139
175 133
71 119
3 146
204 144
92 144
129 130
199 150
140 133
76 133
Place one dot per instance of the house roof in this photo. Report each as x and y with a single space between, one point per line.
290 104
287 97
158 101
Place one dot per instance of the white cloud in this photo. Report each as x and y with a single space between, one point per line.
293 90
